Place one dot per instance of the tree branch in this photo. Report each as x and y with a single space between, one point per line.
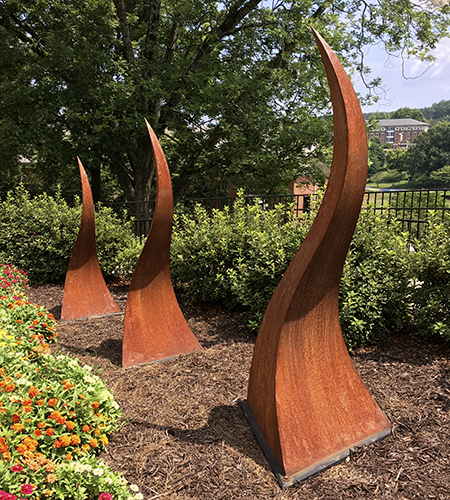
23 33
152 36
168 59
125 29
237 12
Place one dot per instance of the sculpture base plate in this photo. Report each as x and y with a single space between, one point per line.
286 481
91 317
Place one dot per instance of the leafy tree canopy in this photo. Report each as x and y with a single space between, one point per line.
235 90
439 111
431 151
441 177
414 114
377 158
397 160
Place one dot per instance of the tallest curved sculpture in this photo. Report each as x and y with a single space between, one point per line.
305 399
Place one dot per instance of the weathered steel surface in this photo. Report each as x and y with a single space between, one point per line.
85 292
155 328
304 391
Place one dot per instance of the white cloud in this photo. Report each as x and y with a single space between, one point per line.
442 54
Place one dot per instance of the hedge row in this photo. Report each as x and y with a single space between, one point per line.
38 234
237 256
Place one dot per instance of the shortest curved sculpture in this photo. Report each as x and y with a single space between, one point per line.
155 328
306 403
85 292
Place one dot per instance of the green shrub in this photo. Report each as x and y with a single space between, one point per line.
237 257
233 256
373 294
38 234
430 288
271 245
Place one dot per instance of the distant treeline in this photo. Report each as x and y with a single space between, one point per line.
437 112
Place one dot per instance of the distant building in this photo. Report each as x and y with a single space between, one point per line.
400 132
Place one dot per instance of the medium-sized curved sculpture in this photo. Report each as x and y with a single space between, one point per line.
305 399
155 328
85 292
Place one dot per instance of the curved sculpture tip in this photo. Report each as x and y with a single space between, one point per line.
85 292
155 328
304 392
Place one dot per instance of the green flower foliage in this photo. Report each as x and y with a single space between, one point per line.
55 415
38 234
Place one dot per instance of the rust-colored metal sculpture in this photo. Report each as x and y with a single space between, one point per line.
85 292
155 328
306 402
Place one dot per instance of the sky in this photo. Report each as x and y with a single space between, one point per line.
415 91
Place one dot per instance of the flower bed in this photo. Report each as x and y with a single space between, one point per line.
55 415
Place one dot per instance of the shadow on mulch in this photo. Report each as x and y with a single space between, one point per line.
220 428
183 435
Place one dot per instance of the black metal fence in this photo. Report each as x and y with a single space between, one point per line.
409 207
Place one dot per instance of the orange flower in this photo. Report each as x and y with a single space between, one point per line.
52 402
40 402
38 432
35 322
15 418
30 443
61 420
95 404
69 457
56 444
17 427
70 425
7 456
3 445
97 432
27 402
19 321
93 442
104 440
54 415
21 449
50 431
64 440
28 409
41 425
75 439
86 428
9 387
33 392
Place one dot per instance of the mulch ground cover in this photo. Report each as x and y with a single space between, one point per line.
184 436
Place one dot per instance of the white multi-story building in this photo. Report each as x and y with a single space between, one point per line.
400 132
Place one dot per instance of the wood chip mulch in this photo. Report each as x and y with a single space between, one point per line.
184 436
